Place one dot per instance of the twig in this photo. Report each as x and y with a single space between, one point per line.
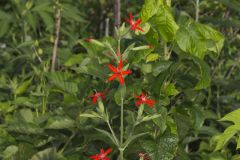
56 40
117 13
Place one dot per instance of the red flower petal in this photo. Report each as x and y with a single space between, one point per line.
112 77
126 72
112 68
131 16
138 103
121 80
140 29
108 151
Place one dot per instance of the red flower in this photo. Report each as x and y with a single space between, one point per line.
98 95
88 40
134 24
144 100
102 155
118 72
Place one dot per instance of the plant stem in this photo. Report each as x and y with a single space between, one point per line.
68 141
121 137
197 11
57 31
112 131
121 154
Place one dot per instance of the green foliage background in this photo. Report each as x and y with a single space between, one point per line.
192 71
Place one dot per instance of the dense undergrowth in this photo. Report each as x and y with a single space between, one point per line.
163 85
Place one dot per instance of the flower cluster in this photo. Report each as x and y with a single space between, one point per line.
120 72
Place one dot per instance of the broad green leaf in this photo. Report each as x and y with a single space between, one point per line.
24 128
27 115
232 116
63 82
165 23
10 151
160 67
196 39
164 148
205 78
75 59
223 138
46 154
191 43
60 122
150 8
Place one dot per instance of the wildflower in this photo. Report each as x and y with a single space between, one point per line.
118 72
98 95
144 100
102 155
134 24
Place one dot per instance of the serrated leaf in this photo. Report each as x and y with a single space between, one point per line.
60 122
165 23
196 39
150 8
162 149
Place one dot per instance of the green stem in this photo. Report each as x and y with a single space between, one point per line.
197 11
121 154
67 143
121 129
112 131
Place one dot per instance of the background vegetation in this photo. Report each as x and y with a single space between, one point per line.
192 71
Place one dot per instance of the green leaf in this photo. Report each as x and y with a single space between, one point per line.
238 142
26 115
205 77
23 87
164 148
132 138
60 122
88 115
165 23
107 134
232 116
196 39
148 117
146 68
152 57
170 90
226 136
75 59
10 151
150 8
63 82
46 154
